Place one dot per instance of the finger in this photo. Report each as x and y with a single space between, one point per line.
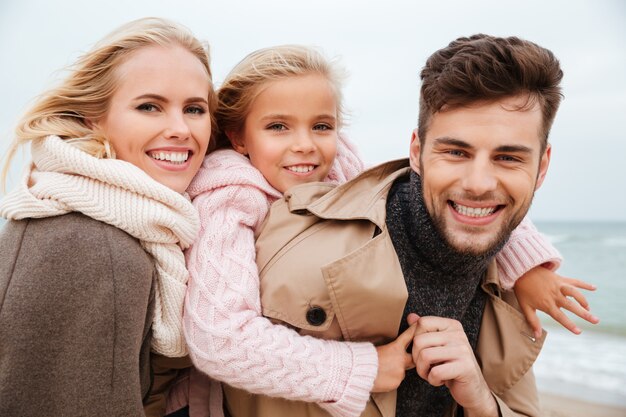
412 318
426 359
533 320
433 340
579 311
580 284
440 373
427 341
430 324
446 372
561 318
408 362
432 358
406 337
570 291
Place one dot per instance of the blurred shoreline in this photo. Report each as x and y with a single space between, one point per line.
562 406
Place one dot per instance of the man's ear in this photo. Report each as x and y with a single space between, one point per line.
543 166
414 151
237 141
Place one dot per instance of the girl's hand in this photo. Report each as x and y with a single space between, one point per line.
393 362
542 289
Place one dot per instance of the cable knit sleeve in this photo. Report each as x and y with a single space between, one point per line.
526 249
231 341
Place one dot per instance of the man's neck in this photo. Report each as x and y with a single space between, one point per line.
440 282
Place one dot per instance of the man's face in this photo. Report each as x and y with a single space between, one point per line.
480 166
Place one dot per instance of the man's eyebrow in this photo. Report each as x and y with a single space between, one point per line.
452 142
464 145
514 149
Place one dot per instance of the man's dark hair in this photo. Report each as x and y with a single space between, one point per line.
486 68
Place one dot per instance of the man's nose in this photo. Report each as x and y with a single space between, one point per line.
480 177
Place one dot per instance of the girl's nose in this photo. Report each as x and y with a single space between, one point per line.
302 142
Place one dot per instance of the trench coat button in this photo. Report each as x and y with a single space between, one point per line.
316 316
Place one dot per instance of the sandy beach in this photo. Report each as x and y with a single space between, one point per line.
557 406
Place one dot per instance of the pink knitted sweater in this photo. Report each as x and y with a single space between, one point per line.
227 336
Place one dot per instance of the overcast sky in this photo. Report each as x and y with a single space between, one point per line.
383 47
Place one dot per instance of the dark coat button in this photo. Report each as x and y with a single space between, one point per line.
316 316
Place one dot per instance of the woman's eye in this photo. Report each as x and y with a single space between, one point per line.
277 126
195 110
147 107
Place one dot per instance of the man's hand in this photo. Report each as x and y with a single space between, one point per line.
443 356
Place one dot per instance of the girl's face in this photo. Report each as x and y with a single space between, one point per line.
158 118
290 133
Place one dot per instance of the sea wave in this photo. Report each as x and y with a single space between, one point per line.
591 365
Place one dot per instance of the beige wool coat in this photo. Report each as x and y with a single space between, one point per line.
328 269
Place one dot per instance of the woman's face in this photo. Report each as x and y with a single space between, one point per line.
158 118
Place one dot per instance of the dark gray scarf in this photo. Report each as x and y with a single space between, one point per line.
440 281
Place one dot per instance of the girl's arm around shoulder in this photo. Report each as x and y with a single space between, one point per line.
527 265
525 249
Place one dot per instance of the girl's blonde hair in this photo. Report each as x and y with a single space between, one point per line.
243 84
84 96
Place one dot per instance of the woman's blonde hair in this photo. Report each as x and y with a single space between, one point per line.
243 84
84 95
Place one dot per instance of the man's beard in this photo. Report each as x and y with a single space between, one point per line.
494 245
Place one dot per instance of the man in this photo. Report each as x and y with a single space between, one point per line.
420 236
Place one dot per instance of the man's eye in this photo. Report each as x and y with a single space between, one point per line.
507 158
456 152
147 107
195 110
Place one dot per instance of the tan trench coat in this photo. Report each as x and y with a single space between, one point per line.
328 269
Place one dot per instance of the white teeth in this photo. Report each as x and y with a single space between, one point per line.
301 168
173 157
474 211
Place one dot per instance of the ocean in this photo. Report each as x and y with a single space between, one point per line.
592 365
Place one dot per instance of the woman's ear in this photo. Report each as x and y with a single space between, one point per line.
91 124
237 141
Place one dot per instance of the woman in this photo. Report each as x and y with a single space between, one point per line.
92 274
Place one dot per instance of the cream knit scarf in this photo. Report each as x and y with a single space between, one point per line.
63 178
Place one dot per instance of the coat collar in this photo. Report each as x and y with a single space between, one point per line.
360 198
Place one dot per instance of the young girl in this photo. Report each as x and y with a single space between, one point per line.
279 114
92 274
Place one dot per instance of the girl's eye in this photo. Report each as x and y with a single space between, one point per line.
322 127
195 110
147 107
277 127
